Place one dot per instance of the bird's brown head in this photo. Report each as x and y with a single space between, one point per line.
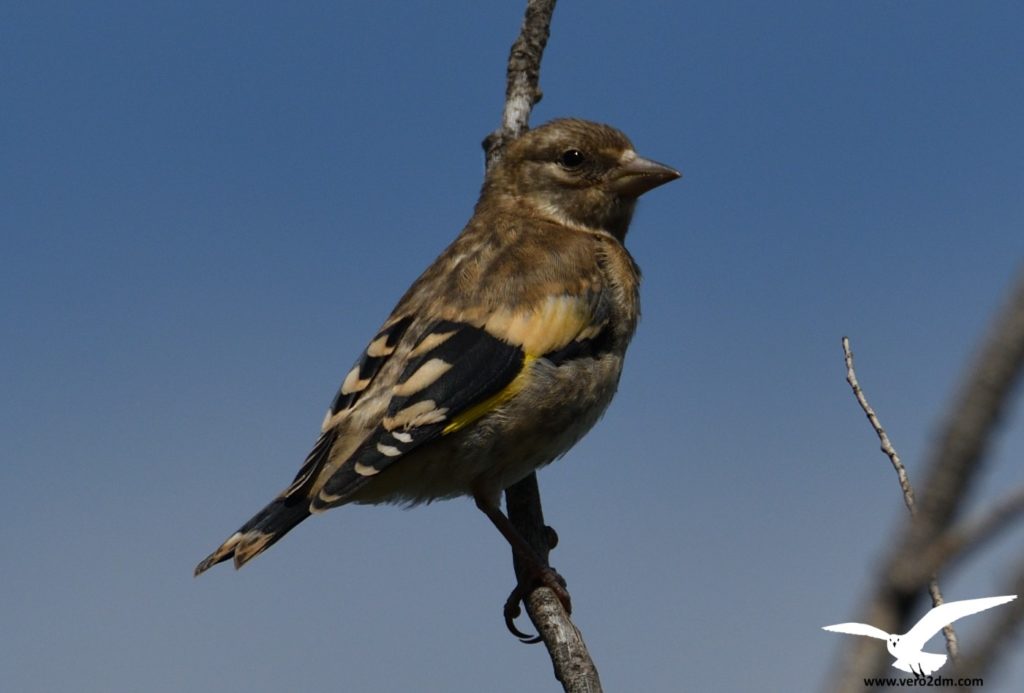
577 172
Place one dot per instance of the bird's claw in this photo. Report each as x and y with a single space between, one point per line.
512 612
544 577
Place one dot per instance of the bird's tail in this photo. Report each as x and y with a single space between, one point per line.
259 533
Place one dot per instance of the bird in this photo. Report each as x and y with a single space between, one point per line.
503 353
907 648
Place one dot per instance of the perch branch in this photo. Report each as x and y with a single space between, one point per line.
522 88
572 664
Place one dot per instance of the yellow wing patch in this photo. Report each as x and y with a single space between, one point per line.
557 321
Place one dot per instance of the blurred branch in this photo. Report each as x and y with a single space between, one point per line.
971 420
953 464
959 542
993 643
572 664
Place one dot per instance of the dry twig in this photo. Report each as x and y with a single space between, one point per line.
952 646
522 88
883 437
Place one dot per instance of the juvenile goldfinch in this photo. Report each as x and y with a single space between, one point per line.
504 352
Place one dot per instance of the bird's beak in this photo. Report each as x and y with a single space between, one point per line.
636 175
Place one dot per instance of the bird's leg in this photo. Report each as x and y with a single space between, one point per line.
535 570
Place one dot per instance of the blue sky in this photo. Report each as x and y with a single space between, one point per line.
209 207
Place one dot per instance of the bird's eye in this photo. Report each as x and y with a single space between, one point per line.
571 158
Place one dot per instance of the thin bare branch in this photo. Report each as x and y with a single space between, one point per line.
522 89
883 437
952 645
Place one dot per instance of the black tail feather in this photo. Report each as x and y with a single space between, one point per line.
259 533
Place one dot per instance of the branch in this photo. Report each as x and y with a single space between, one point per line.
573 666
569 656
992 643
971 420
883 437
522 90
952 646
958 543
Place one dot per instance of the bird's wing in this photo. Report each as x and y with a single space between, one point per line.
450 375
858 629
378 352
944 614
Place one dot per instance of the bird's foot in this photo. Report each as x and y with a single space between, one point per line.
541 576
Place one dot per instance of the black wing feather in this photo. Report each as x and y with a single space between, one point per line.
481 366
387 340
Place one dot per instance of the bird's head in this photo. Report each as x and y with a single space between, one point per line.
576 171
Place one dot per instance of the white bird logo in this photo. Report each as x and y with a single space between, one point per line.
906 648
